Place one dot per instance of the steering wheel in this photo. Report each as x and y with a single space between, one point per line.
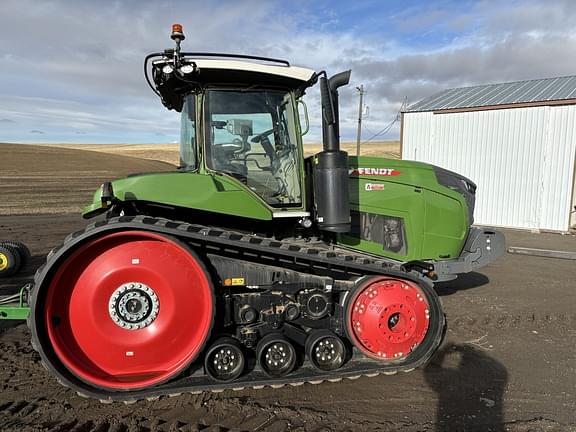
262 138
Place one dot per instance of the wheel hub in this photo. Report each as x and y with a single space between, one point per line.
325 350
225 360
276 356
133 306
397 322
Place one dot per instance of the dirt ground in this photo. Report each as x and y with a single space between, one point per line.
42 179
508 361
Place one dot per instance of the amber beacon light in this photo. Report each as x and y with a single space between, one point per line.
177 32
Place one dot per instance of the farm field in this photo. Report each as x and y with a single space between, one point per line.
61 178
169 152
508 362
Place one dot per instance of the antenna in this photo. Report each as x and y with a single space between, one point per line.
359 130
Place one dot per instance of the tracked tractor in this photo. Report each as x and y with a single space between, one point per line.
250 265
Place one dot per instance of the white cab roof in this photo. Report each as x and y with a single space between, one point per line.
294 72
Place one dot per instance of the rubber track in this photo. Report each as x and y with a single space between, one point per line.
250 247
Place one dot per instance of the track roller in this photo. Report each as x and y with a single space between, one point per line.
325 350
224 360
276 355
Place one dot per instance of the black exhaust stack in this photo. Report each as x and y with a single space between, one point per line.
331 165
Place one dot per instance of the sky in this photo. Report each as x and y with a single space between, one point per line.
71 70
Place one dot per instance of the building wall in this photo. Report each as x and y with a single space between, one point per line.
573 207
522 160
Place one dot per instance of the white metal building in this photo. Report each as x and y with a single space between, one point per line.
516 140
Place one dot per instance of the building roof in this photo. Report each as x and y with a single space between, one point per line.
539 91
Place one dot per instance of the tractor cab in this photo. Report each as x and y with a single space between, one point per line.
239 118
251 135
241 149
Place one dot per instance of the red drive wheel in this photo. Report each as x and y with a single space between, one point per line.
387 318
129 310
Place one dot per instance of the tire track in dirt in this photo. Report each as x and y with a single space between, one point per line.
503 321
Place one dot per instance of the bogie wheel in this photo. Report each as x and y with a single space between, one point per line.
325 350
10 260
276 355
388 319
126 310
224 360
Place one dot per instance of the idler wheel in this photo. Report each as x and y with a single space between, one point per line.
276 355
325 350
224 360
387 318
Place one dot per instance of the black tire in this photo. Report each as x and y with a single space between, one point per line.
10 260
22 249
276 355
232 358
325 350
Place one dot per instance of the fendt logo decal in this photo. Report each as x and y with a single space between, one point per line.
374 172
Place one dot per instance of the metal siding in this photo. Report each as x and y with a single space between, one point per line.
522 160
559 168
416 136
480 145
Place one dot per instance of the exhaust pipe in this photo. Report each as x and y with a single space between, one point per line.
331 165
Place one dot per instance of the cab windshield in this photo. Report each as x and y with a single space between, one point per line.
251 136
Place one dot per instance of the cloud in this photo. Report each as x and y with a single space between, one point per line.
78 66
36 131
5 120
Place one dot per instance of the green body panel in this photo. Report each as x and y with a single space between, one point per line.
211 192
435 217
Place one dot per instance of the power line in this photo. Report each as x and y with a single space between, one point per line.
389 125
383 130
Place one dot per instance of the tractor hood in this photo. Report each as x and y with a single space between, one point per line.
418 174
394 170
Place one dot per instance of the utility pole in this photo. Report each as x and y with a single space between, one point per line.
359 130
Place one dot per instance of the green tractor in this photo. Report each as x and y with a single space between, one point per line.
250 265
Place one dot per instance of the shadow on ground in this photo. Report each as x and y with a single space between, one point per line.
470 386
463 282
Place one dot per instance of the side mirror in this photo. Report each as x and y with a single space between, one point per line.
306 119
